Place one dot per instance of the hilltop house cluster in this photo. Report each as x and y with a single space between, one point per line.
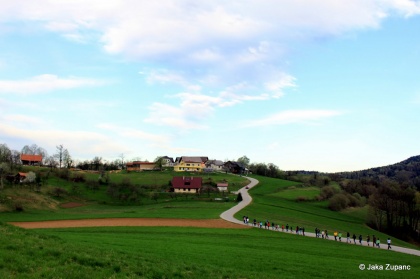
196 164
180 184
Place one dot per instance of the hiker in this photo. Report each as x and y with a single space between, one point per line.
339 236
297 230
389 243
287 227
326 235
255 222
348 237
360 239
354 238
373 241
303 231
268 225
368 239
323 234
260 224
378 243
282 228
335 235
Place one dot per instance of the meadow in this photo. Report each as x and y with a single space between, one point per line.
163 252
275 200
175 252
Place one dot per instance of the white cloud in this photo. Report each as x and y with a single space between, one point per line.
156 28
45 83
294 116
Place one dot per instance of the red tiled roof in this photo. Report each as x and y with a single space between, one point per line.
31 158
222 184
187 182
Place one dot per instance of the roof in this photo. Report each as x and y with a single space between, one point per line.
139 163
187 182
222 184
23 174
192 159
32 158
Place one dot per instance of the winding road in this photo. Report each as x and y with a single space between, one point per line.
247 199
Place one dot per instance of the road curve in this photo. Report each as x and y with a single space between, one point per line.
246 200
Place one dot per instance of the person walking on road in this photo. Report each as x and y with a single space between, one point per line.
360 239
373 241
354 238
368 239
389 243
348 237
378 243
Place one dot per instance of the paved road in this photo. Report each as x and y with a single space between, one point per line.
246 200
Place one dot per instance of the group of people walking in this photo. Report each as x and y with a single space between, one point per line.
376 242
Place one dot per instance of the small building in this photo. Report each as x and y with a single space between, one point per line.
31 160
167 161
222 186
215 165
183 184
21 176
140 166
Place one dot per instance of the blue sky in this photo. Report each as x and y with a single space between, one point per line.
316 85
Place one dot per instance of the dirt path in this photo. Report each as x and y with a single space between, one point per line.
129 222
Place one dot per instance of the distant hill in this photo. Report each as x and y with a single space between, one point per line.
407 171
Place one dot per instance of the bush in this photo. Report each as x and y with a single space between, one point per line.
327 192
79 177
338 202
301 199
58 192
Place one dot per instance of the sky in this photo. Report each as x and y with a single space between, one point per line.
324 85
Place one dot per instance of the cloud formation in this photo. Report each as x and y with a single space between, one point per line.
294 116
45 83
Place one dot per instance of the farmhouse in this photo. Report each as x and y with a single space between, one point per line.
215 165
235 167
182 184
186 163
167 161
28 159
140 166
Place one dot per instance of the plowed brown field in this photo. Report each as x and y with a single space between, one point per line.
129 222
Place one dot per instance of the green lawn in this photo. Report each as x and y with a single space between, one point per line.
147 252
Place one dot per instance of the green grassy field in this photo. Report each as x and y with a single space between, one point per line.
147 252
275 200
171 252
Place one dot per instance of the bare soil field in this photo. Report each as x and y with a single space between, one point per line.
129 222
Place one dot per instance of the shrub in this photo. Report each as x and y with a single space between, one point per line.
338 202
301 199
58 192
327 192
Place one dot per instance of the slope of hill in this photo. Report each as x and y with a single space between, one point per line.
407 171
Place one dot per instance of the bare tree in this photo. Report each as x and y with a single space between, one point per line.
59 155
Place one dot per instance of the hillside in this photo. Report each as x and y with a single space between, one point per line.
407 171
